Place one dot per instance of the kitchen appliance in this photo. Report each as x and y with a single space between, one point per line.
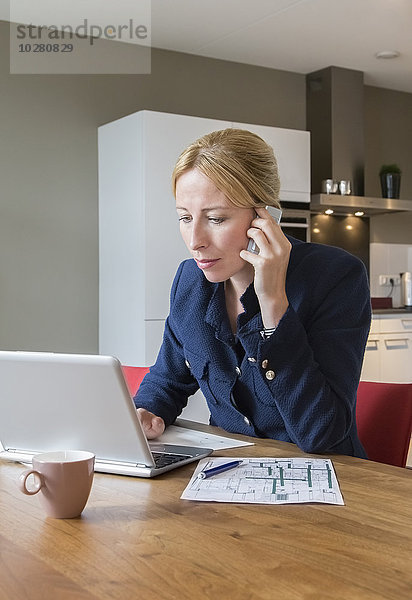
406 289
335 119
350 204
296 222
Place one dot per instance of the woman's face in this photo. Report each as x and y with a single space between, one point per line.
212 228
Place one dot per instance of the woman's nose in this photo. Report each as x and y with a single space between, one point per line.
197 237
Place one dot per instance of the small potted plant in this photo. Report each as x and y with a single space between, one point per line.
390 176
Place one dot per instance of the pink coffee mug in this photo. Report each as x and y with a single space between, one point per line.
64 479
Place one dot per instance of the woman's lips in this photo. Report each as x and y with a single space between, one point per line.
206 263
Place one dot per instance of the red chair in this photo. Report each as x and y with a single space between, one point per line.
384 420
134 377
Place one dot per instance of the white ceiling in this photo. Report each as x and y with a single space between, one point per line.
293 35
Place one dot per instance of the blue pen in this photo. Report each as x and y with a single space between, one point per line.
219 469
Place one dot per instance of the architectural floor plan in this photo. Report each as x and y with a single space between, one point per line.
267 481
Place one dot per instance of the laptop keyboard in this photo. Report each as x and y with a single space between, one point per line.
163 459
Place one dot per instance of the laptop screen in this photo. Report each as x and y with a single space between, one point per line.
52 401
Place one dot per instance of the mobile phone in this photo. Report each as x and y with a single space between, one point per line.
276 213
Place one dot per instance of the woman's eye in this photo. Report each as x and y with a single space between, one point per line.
185 219
216 220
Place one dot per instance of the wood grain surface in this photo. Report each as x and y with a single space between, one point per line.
137 539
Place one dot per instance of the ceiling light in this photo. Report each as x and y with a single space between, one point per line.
316 230
328 211
349 227
387 54
359 213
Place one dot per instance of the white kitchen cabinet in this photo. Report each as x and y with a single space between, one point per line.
396 357
292 151
388 354
371 360
396 324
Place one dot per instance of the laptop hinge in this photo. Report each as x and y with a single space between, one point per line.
121 463
29 453
102 461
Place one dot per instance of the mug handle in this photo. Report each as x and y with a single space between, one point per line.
23 480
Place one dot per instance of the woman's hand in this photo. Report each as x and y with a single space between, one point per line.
153 426
270 266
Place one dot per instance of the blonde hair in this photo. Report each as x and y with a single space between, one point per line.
240 164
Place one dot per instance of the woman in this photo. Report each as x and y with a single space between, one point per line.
275 340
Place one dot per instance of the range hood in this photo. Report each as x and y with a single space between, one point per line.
335 105
351 204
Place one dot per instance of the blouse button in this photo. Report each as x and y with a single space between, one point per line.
270 375
265 363
246 420
251 359
187 363
238 371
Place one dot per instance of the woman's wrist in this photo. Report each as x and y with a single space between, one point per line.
272 314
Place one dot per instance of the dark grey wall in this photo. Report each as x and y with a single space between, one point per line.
388 135
388 130
48 170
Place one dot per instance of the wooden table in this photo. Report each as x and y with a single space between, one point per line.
137 539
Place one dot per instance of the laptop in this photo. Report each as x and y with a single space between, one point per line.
78 402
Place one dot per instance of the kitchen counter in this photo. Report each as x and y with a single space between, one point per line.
389 311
